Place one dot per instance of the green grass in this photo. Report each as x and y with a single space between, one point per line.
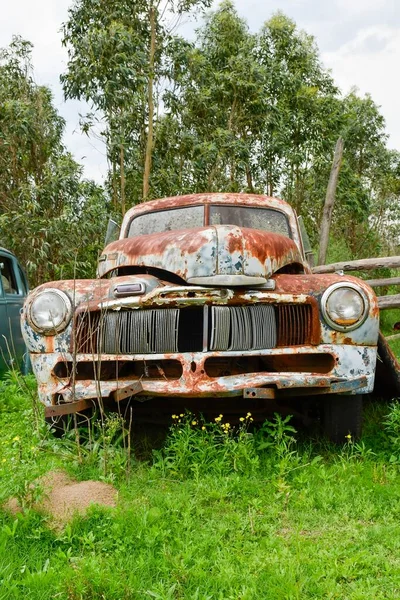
213 515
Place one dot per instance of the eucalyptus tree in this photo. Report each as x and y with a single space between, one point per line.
215 110
369 186
116 62
30 128
46 209
301 121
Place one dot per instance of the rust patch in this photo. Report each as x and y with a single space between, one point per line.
234 241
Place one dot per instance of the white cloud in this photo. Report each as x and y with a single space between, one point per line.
359 7
370 62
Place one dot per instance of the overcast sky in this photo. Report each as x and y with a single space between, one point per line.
359 40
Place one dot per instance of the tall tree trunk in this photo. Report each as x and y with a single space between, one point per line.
249 180
122 176
329 202
150 102
114 185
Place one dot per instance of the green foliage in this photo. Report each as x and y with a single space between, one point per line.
96 445
117 63
46 209
392 429
195 448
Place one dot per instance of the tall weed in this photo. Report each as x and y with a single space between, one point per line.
195 448
392 429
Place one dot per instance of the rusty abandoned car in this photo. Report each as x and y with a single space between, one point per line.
211 298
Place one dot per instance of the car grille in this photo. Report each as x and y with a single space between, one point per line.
215 328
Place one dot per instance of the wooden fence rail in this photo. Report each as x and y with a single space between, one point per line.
364 264
390 301
383 282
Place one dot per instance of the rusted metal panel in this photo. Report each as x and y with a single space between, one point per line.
128 391
206 252
349 386
57 410
259 393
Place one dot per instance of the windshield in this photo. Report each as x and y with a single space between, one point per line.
252 217
187 217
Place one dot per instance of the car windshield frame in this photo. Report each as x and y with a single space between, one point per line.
206 220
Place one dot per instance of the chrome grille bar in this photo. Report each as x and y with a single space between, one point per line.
139 332
242 327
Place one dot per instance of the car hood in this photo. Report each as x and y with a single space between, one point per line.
206 252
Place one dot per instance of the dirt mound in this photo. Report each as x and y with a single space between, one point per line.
63 497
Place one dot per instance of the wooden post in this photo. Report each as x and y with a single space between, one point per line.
329 202
122 176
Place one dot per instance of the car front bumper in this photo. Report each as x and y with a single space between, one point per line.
352 372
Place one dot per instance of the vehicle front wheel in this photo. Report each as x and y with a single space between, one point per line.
341 416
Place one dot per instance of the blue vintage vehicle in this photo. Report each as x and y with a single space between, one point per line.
13 291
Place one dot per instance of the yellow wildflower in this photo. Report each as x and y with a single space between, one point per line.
194 422
181 415
241 419
203 428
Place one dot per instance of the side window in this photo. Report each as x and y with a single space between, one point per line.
7 276
308 251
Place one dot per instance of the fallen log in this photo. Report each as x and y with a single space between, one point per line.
363 264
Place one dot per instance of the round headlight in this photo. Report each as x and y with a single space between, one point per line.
344 306
50 311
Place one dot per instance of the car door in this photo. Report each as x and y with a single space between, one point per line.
13 290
